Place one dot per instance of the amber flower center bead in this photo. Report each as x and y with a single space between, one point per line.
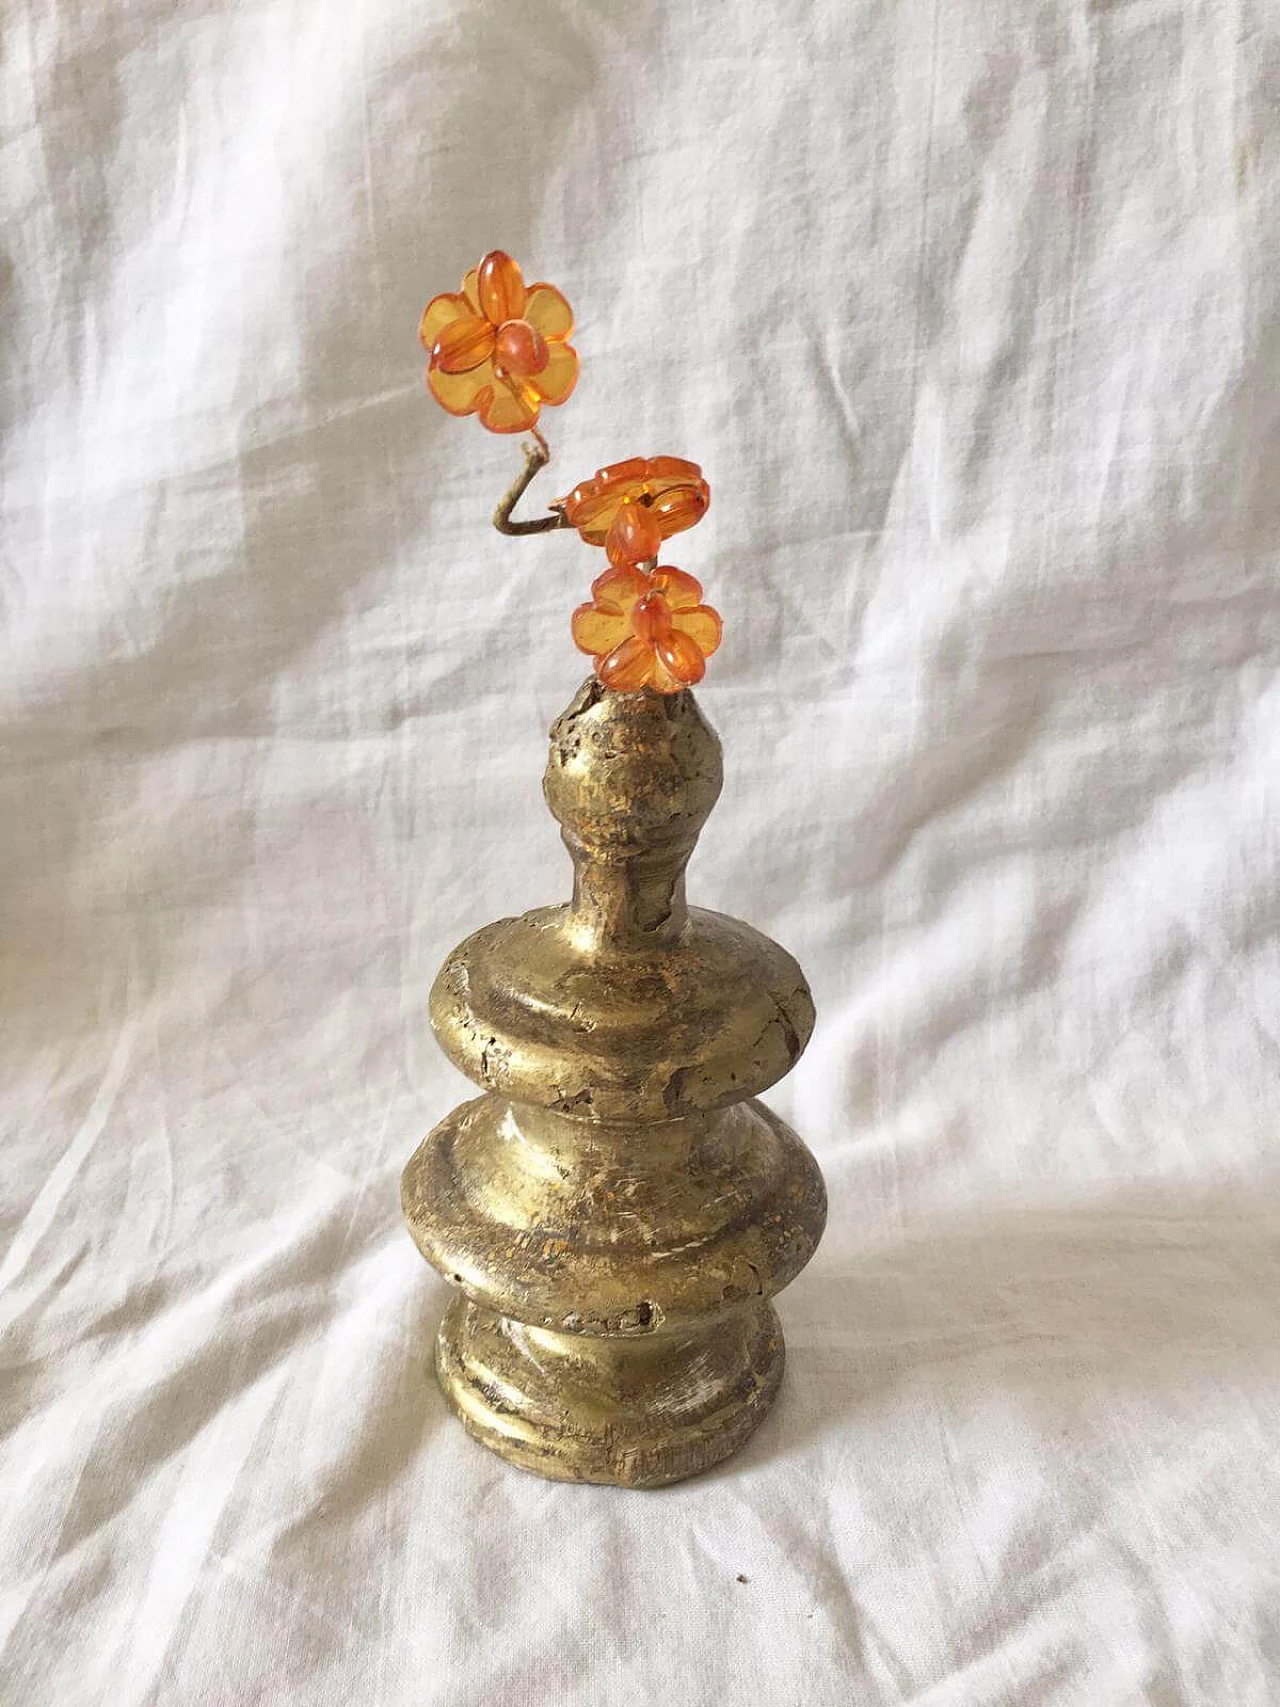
651 617
636 535
520 349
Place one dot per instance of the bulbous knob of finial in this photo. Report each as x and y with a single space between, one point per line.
632 778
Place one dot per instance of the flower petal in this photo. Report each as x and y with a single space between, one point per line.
471 289
463 344
618 589
591 513
598 631
680 507
616 473
682 656
511 407
501 287
560 375
546 309
597 499
461 393
701 624
663 681
682 591
440 312
628 667
669 469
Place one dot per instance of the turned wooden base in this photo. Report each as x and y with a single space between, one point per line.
618 1207
634 1413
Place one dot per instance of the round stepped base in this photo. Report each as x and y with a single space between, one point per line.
633 1412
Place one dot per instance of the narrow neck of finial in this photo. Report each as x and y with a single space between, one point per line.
628 900
631 779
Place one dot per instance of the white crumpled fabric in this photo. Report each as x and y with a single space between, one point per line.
970 311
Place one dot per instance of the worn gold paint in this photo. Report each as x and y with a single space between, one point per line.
617 1209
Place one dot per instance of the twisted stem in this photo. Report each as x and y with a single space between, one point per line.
536 456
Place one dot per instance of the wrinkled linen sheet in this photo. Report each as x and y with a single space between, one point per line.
970 312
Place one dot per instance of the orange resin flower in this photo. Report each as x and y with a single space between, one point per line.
647 630
498 348
669 488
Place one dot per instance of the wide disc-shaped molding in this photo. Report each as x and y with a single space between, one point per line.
602 1231
716 1017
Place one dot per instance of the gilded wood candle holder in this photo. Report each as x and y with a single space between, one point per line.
616 1210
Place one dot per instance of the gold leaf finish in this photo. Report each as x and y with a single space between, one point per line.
617 1208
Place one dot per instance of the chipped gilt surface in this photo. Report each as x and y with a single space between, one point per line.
616 1210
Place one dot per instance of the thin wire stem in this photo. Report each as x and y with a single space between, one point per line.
536 456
